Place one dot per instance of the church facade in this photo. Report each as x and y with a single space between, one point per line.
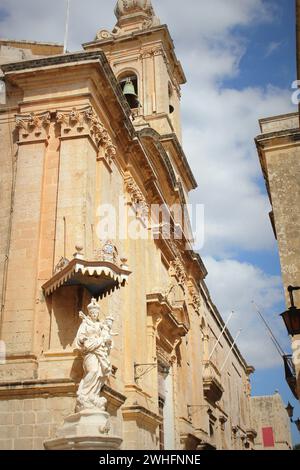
90 142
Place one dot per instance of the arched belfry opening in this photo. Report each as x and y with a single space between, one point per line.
171 104
130 87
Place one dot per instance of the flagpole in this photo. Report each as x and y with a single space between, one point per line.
233 344
222 332
67 26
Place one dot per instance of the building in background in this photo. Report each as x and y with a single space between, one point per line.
79 132
272 423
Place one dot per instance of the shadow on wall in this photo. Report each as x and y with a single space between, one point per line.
64 308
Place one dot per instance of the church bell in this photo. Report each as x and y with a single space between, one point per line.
130 94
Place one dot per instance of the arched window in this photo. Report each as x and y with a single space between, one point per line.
129 84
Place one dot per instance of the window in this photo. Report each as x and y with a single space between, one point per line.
268 437
161 405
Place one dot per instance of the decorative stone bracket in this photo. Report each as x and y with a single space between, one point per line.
137 199
194 298
177 270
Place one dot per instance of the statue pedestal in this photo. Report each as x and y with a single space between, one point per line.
86 430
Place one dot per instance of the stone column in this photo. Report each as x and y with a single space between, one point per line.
20 298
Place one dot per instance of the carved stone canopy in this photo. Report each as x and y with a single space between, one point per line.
99 277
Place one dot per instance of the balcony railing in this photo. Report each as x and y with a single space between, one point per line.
212 386
290 374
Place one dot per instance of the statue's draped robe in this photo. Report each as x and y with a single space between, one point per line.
96 363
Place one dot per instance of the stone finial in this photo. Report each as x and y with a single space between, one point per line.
78 252
125 7
135 14
132 15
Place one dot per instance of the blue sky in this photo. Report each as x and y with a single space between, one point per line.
270 56
239 58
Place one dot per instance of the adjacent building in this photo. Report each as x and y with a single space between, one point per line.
272 423
279 150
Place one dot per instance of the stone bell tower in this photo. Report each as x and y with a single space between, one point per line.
141 53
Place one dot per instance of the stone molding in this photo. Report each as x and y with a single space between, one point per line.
141 414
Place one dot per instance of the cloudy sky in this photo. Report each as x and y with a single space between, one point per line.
239 58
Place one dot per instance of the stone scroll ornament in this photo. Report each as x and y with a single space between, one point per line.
94 340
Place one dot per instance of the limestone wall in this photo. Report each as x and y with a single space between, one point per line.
26 423
270 412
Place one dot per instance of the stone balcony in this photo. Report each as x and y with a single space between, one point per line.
212 386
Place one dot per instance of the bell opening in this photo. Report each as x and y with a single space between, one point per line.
129 87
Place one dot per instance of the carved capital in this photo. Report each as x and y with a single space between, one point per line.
84 121
147 53
33 126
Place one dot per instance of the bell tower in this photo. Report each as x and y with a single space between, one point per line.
141 53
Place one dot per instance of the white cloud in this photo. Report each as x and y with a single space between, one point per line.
219 140
272 47
233 286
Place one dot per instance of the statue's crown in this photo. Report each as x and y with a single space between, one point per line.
93 305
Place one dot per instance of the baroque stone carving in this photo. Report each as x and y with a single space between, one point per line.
125 7
94 340
137 198
105 34
195 299
85 120
33 125
63 262
177 270
146 54
108 252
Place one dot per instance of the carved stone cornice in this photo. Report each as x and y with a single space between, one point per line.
33 127
84 121
137 198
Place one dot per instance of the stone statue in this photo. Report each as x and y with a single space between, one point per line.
89 427
94 340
